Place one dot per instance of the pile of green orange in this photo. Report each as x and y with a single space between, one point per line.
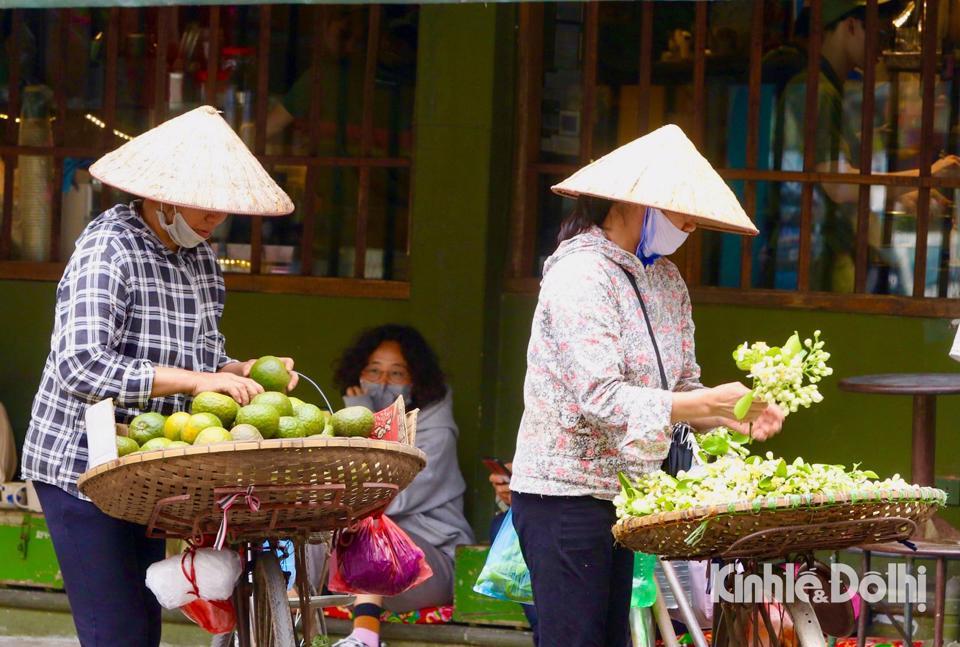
271 414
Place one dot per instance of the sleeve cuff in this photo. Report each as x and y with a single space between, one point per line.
137 384
649 430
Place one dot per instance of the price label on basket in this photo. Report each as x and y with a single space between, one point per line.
101 432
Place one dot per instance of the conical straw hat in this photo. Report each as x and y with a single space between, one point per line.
662 169
194 160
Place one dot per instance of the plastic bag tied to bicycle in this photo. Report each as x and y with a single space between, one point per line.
378 558
204 573
505 575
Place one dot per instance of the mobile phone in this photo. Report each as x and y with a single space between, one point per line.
496 466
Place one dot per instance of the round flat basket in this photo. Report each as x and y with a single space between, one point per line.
271 488
778 526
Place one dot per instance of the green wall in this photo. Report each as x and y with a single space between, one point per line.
844 428
461 181
454 196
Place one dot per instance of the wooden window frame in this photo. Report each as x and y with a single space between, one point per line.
305 283
529 169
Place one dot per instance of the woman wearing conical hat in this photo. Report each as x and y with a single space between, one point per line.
610 370
137 320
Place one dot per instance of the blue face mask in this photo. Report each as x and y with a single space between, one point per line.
660 237
383 395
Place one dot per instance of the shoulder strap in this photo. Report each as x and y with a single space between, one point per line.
646 319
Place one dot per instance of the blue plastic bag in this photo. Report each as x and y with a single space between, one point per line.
505 575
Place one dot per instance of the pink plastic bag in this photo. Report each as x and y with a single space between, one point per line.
378 558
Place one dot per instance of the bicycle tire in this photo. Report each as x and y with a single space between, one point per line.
273 622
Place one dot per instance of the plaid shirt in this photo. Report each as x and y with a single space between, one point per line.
125 304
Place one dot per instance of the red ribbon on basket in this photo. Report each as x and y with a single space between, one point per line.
225 503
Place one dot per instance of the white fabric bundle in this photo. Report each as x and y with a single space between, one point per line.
216 571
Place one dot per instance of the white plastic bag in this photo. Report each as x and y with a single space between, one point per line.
216 574
693 578
955 349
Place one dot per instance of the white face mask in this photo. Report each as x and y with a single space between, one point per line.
179 231
660 236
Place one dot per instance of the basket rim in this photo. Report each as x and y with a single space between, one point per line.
922 494
252 445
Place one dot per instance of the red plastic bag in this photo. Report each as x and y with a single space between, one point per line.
378 558
213 616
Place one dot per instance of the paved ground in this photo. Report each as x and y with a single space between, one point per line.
24 641
27 641
31 628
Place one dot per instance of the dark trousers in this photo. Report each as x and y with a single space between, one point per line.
104 562
581 579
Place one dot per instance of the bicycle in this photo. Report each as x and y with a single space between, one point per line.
256 493
751 533
739 624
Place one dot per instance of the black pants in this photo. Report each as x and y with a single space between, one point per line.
581 579
104 562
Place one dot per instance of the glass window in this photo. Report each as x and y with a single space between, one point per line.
561 103
618 91
163 61
396 78
340 33
388 225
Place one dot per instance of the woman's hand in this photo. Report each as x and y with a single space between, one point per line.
722 400
242 389
767 424
501 485
354 391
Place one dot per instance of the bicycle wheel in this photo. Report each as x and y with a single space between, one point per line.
239 637
273 624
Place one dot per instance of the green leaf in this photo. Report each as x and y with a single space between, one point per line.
625 483
870 474
739 438
793 346
749 357
765 484
781 469
743 406
753 460
715 446
684 485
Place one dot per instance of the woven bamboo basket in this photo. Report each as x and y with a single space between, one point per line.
303 486
778 526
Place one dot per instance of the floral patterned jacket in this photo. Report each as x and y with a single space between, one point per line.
593 401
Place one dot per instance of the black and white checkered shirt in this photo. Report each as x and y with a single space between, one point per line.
125 304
